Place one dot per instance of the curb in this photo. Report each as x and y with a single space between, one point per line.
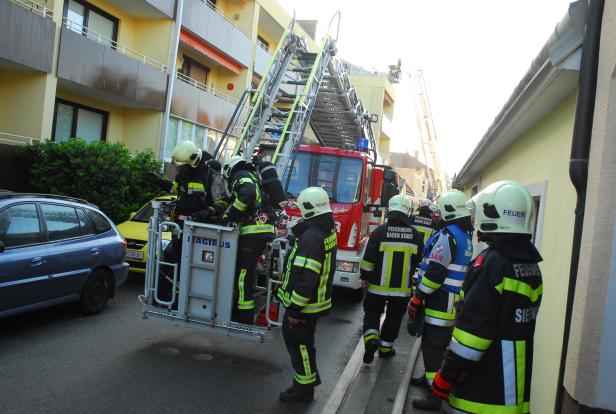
403 388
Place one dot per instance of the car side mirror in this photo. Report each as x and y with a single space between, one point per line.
133 214
2 246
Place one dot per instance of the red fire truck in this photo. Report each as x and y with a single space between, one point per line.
358 188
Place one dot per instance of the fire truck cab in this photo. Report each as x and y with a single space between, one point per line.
358 189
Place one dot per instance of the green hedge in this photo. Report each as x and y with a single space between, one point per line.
105 174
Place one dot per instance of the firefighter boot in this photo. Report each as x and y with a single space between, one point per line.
371 346
430 403
386 352
420 382
297 393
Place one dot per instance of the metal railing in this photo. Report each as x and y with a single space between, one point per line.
227 18
206 88
12 139
35 7
105 41
263 46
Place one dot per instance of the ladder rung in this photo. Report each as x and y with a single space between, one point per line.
295 82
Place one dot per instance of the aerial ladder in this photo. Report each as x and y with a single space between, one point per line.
298 88
425 126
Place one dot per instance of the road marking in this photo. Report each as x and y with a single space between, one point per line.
334 403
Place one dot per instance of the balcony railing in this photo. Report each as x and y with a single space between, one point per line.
227 18
204 87
12 139
263 46
103 40
35 7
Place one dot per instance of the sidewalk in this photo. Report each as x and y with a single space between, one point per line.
374 388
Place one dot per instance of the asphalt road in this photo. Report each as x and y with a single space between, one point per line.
58 361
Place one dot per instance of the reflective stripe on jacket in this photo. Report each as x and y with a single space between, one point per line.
391 257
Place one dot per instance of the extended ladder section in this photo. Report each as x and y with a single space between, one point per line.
425 125
301 88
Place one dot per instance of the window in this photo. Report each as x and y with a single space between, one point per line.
341 177
62 222
195 70
263 43
101 224
20 226
91 21
182 130
73 120
84 223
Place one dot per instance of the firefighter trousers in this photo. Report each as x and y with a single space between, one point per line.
249 249
299 340
374 305
439 311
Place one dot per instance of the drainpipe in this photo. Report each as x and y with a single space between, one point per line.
179 10
578 164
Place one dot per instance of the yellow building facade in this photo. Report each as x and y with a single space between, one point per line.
101 69
530 142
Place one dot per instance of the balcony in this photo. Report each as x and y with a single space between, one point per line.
205 21
27 34
262 59
199 103
147 9
95 66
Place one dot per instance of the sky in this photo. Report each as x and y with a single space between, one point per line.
472 53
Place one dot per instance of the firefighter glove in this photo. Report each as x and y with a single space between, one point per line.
441 387
414 306
203 215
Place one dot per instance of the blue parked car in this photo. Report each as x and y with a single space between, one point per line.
54 250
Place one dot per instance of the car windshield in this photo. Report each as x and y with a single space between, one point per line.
144 214
341 177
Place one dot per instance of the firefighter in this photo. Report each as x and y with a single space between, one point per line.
393 253
246 208
441 273
487 367
190 184
423 221
307 288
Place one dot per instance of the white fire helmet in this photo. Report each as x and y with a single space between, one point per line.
229 165
186 153
313 201
452 204
502 207
400 203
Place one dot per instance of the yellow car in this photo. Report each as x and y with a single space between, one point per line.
135 231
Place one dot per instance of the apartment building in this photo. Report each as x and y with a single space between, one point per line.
378 96
101 69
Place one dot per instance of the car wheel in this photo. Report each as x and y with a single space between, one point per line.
95 293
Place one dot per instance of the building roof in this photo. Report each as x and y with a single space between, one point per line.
551 78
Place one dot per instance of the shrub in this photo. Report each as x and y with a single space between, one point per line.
102 173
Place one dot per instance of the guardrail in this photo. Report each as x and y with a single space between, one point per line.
35 7
103 40
12 139
204 87
227 18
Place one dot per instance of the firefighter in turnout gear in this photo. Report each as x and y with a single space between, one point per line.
191 185
392 255
246 208
441 273
487 367
423 222
307 288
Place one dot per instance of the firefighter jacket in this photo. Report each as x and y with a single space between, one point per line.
306 289
246 205
490 356
446 258
391 257
190 186
425 225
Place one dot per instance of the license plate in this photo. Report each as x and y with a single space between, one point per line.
133 254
